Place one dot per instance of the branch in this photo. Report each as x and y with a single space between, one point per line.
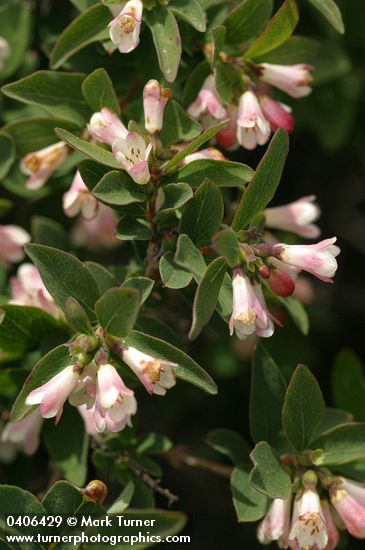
180 456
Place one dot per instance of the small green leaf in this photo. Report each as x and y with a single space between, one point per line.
207 295
91 26
92 172
223 173
172 275
59 94
89 149
7 153
117 310
297 49
230 444
348 384
175 196
330 10
247 20
267 396
143 284
76 316
250 505
102 276
187 369
123 500
269 475
49 232
153 443
189 11
303 408
226 244
279 29
64 276
166 37
99 92
203 215
263 185
297 312
178 125
14 501
228 81
132 229
189 258
343 444
65 499
332 418
218 38
116 188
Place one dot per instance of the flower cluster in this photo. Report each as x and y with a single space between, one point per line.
255 114
275 264
318 514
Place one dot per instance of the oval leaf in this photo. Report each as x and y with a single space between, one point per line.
117 310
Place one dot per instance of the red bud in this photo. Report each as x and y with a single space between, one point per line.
281 283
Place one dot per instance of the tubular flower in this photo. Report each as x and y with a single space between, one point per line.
252 127
125 29
24 434
227 137
97 232
132 153
78 199
333 534
41 164
275 525
318 259
295 217
348 498
84 392
208 102
157 375
210 153
28 289
309 529
114 403
250 314
292 79
105 126
155 99
278 114
13 238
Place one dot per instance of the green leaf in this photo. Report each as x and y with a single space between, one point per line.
99 91
175 195
172 275
207 295
193 146
64 276
178 125
143 284
91 26
343 444
65 499
230 444
7 153
226 244
89 149
15 27
83 5
203 215
187 370
279 29
263 185
50 365
67 444
102 276
267 396
14 502
118 189
189 11
348 384
297 312
59 94
247 20
269 475
194 82
49 232
330 10
23 328
123 500
228 81
250 505
332 418
218 39
153 443
92 172
132 229
297 49
223 173
76 316
303 408
117 310
166 38
189 258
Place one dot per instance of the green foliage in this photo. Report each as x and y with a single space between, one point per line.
348 384
230 444
99 92
330 10
178 125
221 172
250 505
268 475
88 149
247 20
117 310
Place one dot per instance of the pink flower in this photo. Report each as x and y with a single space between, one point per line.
105 126
333 534
132 153
280 282
252 127
348 498
208 101
292 79
12 238
97 232
295 217
155 99
250 314
88 418
157 375
309 529
78 199
124 30
278 114
41 164
115 403
227 138
53 394
24 434
84 392
210 153
275 525
318 259
28 289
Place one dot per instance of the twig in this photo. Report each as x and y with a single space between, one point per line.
180 456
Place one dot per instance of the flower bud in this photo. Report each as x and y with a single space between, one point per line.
155 99
96 491
281 283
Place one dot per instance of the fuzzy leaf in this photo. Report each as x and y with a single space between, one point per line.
348 384
230 444
247 20
330 10
99 91
117 310
343 444
223 173
189 11
116 188
178 125
226 244
269 475
172 275
250 505
76 316
89 149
